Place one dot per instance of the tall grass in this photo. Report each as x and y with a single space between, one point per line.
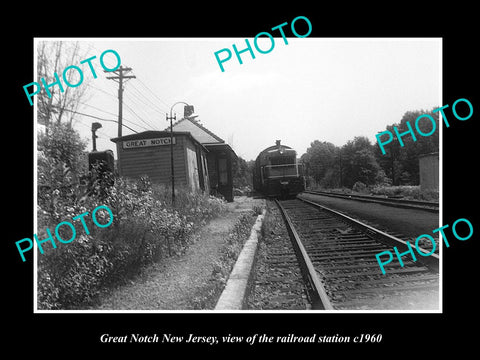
145 228
402 191
405 191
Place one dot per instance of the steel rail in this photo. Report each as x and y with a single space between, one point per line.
432 261
319 297
403 203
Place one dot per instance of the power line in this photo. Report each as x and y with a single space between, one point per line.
157 107
155 104
110 113
98 118
77 121
150 104
141 104
137 93
102 133
124 118
107 112
131 95
135 96
96 108
93 86
134 113
146 87
140 111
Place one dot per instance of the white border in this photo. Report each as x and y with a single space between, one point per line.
88 311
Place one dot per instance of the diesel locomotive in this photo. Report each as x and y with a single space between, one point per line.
277 173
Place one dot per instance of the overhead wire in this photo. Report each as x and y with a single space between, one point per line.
99 118
103 134
154 104
134 113
107 112
144 111
93 86
138 100
141 112
155 95
108 62
129 108
96 108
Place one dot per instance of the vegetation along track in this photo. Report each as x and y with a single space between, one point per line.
346 275
401 203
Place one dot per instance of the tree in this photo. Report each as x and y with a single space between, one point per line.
390 162
359 162
321 163
400 163
54 57
242 171
59 164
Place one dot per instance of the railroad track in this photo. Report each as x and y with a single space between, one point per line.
337 256
278 283
403 203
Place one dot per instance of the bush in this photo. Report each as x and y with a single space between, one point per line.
406 191
359 187
145 228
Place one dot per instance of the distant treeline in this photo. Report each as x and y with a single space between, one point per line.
331 166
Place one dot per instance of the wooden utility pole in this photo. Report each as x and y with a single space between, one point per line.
119 78
171 118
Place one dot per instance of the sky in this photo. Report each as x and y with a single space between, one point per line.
326 89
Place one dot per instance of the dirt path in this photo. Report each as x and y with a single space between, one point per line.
172 283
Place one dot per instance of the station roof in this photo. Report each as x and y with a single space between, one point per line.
198 131
220 146
203 135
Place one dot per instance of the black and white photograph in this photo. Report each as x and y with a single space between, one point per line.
283 185
188 156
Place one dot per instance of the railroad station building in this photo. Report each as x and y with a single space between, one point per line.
220 156
148 153
202 160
